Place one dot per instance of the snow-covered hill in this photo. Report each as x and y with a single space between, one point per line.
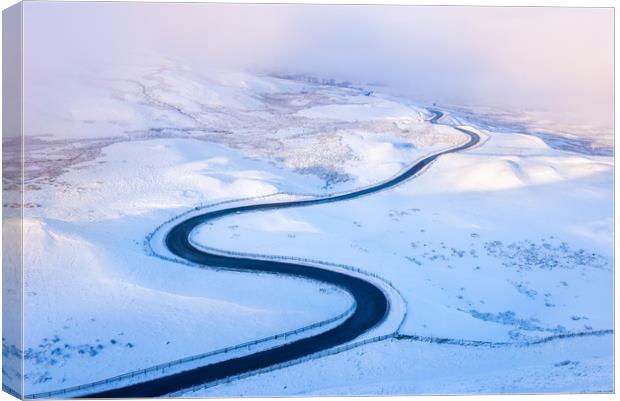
507 242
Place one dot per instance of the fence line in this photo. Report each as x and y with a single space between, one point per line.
181 361
500 344
396 336
10 391
320 354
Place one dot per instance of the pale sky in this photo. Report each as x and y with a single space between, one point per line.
556 59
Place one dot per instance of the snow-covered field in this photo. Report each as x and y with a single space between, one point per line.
397 367
97 305
479 239
510 242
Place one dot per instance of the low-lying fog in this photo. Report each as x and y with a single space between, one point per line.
554 61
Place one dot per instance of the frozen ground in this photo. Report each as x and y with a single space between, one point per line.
477 241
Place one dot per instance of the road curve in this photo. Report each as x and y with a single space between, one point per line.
372 304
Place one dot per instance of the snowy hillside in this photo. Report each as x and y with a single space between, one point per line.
507 244
511 243
478 238
130 154
261 116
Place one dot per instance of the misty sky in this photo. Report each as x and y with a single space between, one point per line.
556 59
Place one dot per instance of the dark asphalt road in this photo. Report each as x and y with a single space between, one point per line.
372 304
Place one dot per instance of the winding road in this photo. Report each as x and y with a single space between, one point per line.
372 303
